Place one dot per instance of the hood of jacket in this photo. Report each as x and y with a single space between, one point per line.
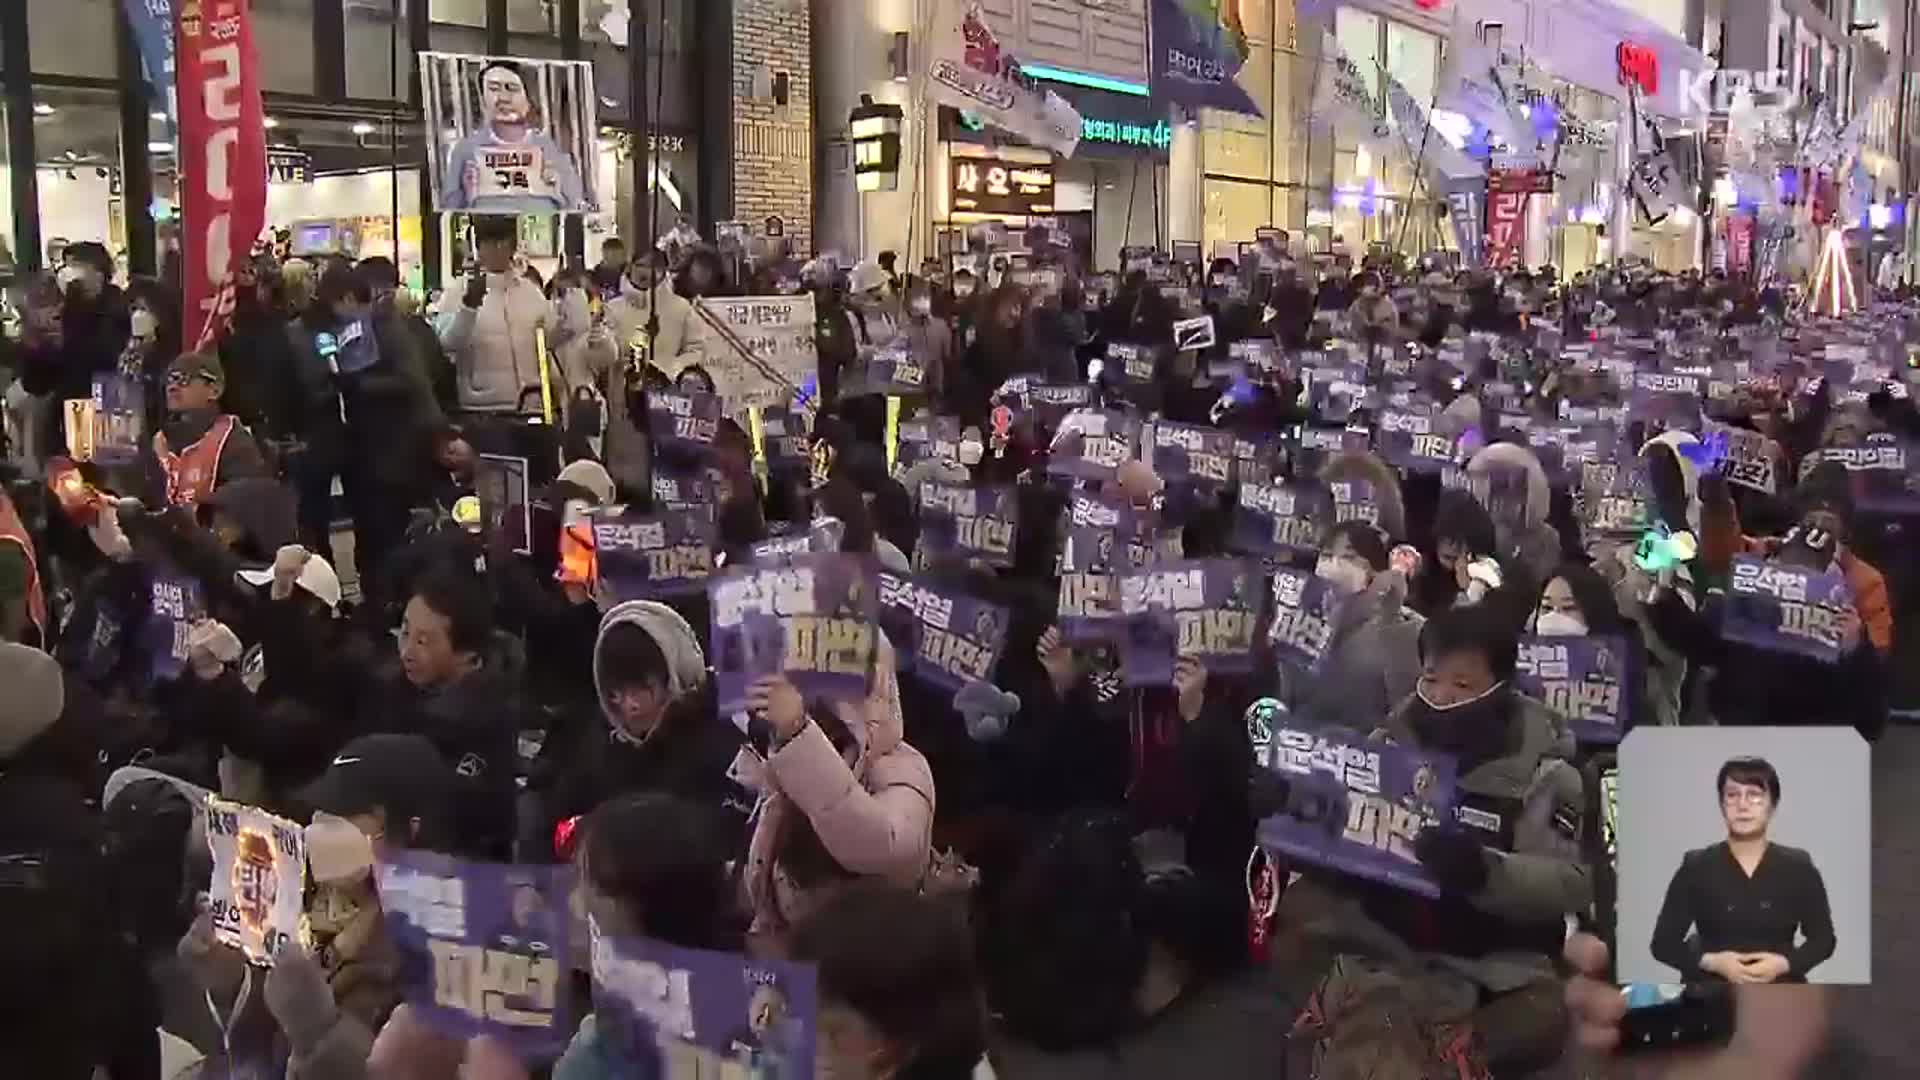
1350 465
36 695
1506 455
1675 441
686 664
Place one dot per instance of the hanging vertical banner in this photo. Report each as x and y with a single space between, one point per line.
1467 206
970 71
1198 49
223 157
1419 138
1739 243
152 23
1507 191
1343 99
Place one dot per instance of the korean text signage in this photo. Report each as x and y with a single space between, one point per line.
223 155
992 186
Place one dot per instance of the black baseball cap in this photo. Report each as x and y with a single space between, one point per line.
403 775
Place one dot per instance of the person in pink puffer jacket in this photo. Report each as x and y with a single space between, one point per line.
846 798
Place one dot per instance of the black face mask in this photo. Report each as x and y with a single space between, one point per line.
1473 732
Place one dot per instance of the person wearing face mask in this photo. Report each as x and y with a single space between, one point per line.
1001 348
59 354
1373 655
652 323
153 341
651 728
1510 872
930 339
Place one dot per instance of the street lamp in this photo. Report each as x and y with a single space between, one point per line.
876 144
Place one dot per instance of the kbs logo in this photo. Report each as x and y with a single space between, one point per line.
1638 66
1705 92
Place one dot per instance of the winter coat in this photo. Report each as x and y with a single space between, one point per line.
1353 465
1232 1030
874 817
680 340
1523 533
1372 662
493 346
391 408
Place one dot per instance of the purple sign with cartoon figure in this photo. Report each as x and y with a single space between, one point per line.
1582 678
941 634
485 948
671 1012
1356 806
645 556
812 618
1787 609
1204 608
1096 552
1280 520
968 522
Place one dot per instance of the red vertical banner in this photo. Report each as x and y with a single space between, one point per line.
223 157
1507 191
1739 244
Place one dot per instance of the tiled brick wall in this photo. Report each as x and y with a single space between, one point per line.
773 144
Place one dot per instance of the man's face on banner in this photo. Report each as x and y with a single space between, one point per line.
505 96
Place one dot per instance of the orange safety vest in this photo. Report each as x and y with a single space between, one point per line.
13 530
193 472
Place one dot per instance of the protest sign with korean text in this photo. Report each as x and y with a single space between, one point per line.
647 556
678 1012
1281 520
1304 605
1204 608
1584 679
760 349
1356 806
1183 453
682 421
486 948
968 522
1090 445
174 603
1787 609
1095 553
1407 440
812 618
941 633
256 896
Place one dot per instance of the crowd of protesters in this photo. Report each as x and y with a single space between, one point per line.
1044 875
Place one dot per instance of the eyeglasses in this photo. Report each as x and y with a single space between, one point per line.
182 378
1746 797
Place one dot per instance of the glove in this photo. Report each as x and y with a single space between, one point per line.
986 709
1457 861
287 564
211 646
298 996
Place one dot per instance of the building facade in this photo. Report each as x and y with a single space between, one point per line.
88 151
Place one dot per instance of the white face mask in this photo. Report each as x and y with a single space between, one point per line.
921 306
336 849
963 289
68 275
971 452
145 324
1346 575
1419 691
1559 624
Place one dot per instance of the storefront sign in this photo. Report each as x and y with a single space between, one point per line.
286 166
992 186
223 153
1197 53
1639 66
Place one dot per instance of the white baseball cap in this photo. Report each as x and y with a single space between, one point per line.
317 577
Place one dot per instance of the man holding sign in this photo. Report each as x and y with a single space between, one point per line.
1482 882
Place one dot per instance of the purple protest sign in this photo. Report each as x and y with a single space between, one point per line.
1203 608
1334 392
486 948
647 556
1879 469
1666 400
1407 440
924 439
812 619
1354 500
120 412
1256 458
1183 453
1090 445
1137 365
1786 609
1280 520
1051 402
969 522
894 369
683 421
1317 444
1751 459
1356 807
1304 605
1582 678
943 635
783 438
680 490
174 604
1615 501
673 1012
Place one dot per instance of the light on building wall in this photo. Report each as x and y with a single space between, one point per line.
1879 215
363 128
1362 161
876 144
1724 192
158 147
41 108
270 123
1683 216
